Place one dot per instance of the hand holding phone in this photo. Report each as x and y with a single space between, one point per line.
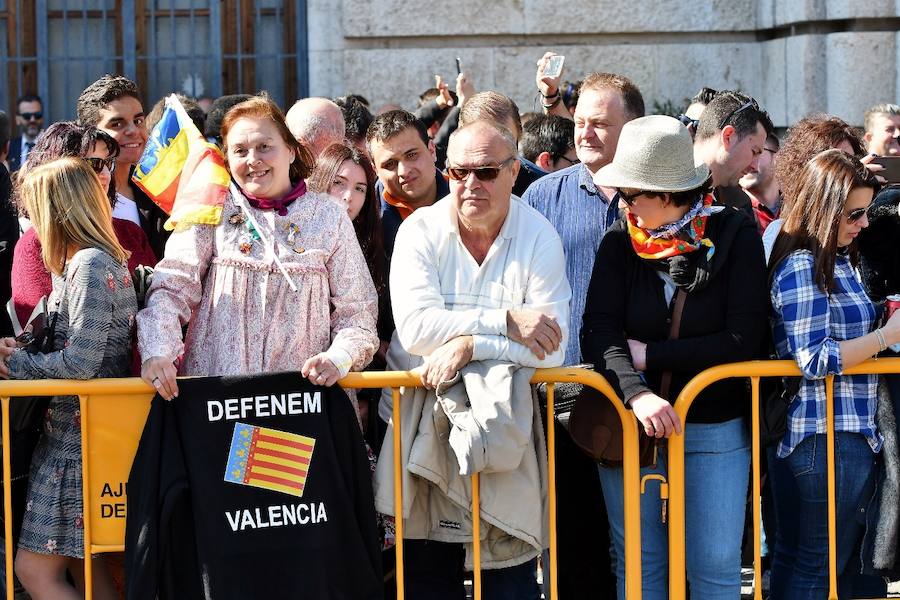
554 66
891 168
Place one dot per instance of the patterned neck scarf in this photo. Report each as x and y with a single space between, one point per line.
673 239
279 205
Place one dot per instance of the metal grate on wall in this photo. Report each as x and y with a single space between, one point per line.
196 47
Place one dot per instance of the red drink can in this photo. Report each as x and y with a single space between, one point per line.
891 303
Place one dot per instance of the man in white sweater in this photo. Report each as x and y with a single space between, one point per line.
479 275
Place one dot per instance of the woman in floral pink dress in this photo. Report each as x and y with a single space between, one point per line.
280 284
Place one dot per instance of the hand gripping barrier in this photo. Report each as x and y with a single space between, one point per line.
113 412
753 370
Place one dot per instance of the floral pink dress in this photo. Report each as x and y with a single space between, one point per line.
242 315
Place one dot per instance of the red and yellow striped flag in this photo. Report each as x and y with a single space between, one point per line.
181 172
269 459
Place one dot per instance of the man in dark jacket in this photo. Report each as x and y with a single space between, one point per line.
880 266
30 122
113 105
730 138
404 158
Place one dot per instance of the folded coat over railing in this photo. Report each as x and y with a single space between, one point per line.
490 416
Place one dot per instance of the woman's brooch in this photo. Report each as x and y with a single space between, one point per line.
245 242
237 218
292 230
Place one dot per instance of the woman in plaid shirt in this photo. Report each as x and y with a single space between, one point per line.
822 318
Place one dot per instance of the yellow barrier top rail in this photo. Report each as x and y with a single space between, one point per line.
367 379
373 379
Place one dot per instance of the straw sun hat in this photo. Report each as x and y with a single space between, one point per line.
654 154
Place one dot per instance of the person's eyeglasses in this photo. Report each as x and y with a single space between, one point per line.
749 104
629 198
688 122
568 160
97 164
482 173
856 214
35 116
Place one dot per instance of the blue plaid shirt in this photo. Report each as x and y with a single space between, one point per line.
808 325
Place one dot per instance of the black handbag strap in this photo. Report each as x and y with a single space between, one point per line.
674 329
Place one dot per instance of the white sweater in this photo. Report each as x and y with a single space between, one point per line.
439 291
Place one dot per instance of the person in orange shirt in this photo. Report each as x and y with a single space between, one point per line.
760 186
404 163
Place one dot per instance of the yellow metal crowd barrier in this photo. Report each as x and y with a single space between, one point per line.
113 412
753 370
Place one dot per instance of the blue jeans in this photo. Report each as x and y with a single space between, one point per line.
717 467
800 486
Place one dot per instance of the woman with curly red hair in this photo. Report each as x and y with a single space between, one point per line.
808 137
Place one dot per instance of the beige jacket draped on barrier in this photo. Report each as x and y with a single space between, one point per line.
485 420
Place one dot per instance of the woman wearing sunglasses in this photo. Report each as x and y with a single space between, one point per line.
823 319
31 280
678 286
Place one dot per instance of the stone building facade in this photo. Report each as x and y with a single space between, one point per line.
794 56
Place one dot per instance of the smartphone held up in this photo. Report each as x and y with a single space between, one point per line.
891 171
554 66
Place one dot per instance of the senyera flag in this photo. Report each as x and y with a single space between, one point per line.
269 458
181 172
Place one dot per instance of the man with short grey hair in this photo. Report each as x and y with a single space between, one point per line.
316 123
478 289
882 123
502 112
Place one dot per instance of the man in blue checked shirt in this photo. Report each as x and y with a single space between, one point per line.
581 213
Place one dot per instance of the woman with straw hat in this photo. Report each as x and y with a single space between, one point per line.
679 285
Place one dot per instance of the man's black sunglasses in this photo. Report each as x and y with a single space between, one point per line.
751 103
688 122
32 116
482 173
